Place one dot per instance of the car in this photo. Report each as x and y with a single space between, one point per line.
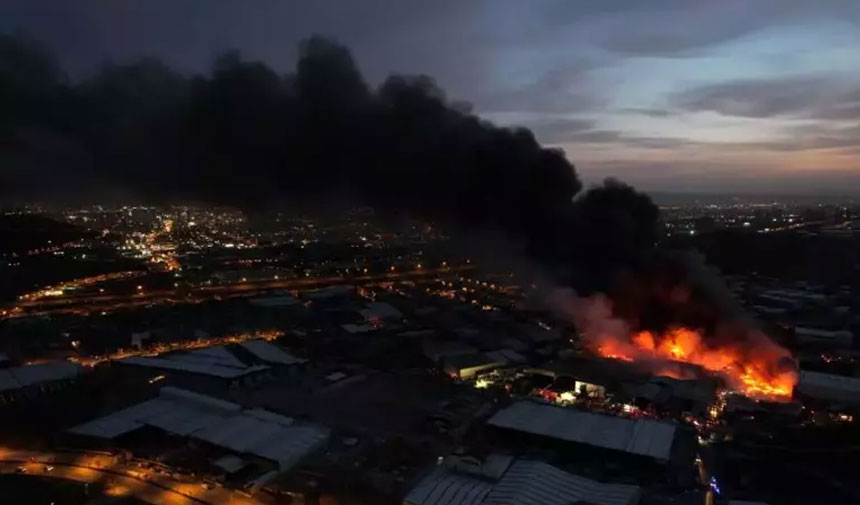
48 468
21 469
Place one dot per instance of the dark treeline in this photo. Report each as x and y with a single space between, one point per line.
246 136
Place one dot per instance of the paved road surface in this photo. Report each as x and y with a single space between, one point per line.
121 479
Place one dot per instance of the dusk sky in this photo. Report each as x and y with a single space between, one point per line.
681 95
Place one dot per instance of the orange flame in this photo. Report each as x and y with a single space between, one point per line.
750 369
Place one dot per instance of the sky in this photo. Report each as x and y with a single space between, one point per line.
669 95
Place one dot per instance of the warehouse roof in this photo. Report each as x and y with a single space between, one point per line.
444 487
538 483
524 483
212 369
216 361
27 375
217 354
218 422
829 381
645 437
270 353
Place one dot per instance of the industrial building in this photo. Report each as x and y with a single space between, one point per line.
210 368
828 387
466 366
19 381
273 356
218 367
502 480
249 433
648 445
822 337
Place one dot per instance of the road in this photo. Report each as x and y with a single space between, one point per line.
92 302
121 478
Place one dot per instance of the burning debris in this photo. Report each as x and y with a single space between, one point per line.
749 362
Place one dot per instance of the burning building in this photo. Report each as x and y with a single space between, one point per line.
745 359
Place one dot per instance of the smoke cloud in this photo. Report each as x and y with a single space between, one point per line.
675 312
246 136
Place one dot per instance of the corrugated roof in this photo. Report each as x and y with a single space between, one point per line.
216 355
830 381
538 483
270 353
28 375
220 423
203 368
640 436
443 487
524 483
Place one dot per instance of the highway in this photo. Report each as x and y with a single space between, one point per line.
98 302
121 478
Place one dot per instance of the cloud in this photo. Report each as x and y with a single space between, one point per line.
557 91
802 97
646 111
557 130
757 98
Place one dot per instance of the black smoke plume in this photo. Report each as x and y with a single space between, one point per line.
244 135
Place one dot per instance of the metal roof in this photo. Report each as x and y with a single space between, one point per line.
524 483
538 483
205 367
645 437
271 353
230 463
827 380
27 375
443 487
215 421
218 355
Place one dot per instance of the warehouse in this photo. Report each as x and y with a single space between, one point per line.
281 362
828 388
19 381
651 447
503 480
249 432
208 369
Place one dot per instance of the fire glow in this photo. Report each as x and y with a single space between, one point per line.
745 358
752 370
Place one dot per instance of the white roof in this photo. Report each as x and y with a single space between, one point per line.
640 436
27 375
271 353
524 483
215 421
